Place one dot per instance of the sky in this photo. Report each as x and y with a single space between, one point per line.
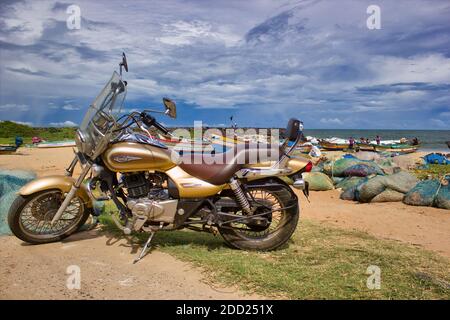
260 61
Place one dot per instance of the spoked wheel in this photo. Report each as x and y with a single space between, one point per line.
30 217
279 213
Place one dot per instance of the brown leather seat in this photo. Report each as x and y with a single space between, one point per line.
219 168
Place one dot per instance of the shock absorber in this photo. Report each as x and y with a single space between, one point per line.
240 196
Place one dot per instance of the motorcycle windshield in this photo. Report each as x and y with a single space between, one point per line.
106 107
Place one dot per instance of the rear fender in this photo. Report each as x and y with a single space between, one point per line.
63 183
273 181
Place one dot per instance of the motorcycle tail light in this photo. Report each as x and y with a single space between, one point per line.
308 167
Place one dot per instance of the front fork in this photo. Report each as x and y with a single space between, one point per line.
74 188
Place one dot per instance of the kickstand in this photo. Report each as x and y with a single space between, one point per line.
144 249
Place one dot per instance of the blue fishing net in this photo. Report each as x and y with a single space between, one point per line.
442 199
436 158
423 194
10 182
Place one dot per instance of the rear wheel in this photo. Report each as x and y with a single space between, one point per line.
30 217
282 217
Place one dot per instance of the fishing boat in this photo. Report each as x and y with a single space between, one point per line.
185 145
7 149
398 147
333 146
365 146
304 148
56 144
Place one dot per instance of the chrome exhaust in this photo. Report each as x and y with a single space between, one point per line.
299 184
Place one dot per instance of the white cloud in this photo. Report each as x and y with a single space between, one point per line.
14 107
30 124
335 121
70 107
66 123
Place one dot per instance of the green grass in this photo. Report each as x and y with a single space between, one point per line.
320 262
9 130
433 170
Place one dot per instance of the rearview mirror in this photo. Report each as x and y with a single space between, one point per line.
171 108
124 63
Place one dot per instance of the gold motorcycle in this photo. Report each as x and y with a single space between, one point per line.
240 193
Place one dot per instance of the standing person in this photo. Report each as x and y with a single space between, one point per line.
378 139
351 143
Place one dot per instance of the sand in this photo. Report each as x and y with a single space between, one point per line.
103 259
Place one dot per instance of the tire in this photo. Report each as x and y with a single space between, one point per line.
19 230
239 240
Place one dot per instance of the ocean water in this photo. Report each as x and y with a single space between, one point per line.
432 140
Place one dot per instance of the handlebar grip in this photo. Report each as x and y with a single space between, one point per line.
151 121
161 127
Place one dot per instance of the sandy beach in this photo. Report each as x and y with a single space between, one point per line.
424 227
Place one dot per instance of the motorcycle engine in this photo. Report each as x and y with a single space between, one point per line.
147 198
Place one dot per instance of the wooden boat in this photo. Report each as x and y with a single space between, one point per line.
333 146
7 149
365 146
56 144
304 148
400 148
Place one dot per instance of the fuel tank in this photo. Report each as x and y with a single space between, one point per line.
130 156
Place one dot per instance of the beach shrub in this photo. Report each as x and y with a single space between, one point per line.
423 193
318 181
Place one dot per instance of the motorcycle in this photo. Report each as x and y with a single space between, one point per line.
238 194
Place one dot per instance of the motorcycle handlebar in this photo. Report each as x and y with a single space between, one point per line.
149 121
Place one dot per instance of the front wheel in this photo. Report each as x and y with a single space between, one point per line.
282 204
30 217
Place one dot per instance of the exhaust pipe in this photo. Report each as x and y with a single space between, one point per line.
299 184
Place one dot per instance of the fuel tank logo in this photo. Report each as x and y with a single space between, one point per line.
125 158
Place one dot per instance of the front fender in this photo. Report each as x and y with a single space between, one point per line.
63 183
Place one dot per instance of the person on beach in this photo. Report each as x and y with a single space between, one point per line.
378 140
351 143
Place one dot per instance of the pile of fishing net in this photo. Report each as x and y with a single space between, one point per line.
10 182
318 181
350 167
431 193
377 188
377 180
